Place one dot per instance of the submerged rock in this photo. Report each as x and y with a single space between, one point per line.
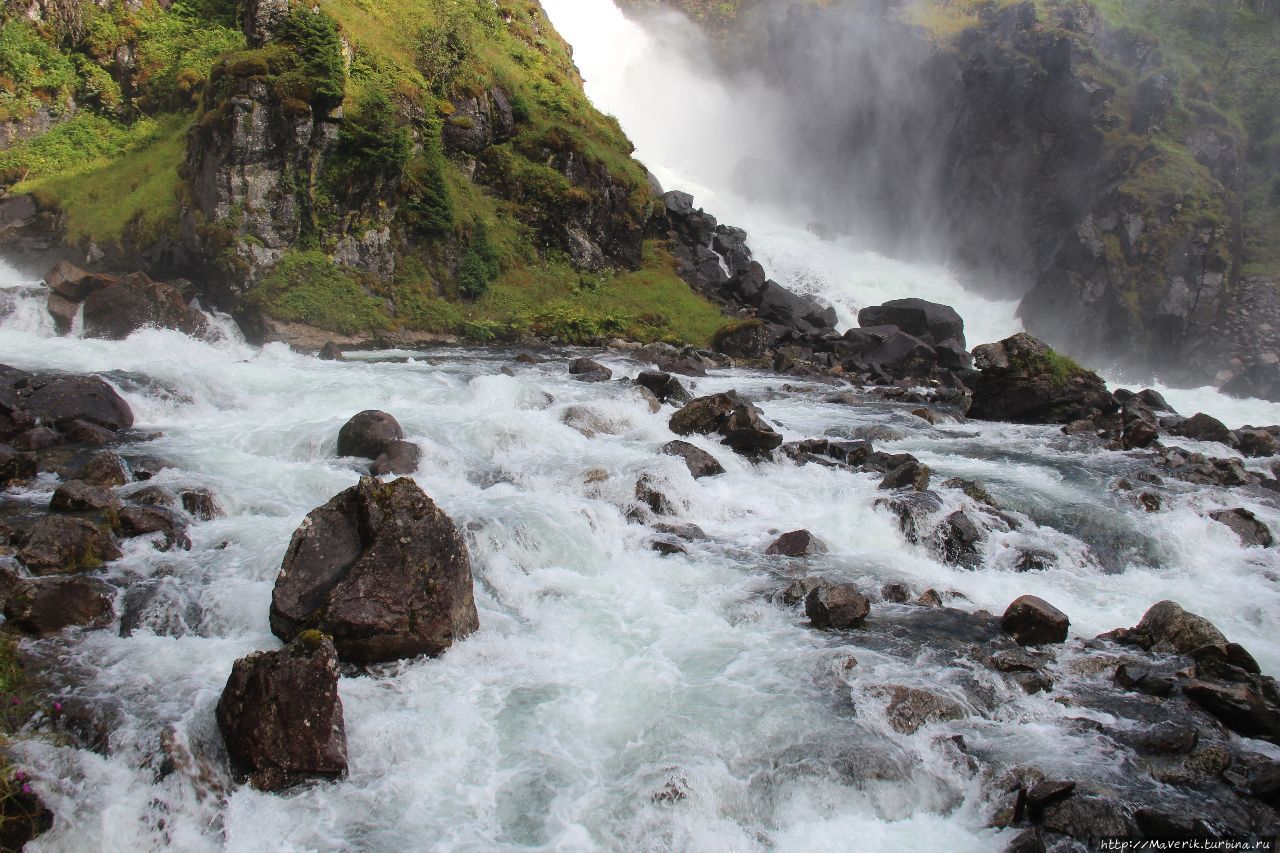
399 457
1032 621
382 570
911 708
281 717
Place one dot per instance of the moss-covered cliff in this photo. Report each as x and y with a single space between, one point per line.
404 166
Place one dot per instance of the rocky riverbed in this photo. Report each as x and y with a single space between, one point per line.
630 596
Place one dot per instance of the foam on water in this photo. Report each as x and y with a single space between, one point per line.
613 698
604 676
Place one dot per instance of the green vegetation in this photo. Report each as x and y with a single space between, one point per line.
307 287
33 73
1057 366
115 184
475 239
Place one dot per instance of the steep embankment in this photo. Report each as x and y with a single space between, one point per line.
415 167
1114 163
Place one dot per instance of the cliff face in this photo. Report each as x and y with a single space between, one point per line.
1114 166
421 166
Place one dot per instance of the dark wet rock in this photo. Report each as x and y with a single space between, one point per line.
1258 443
1023 381
44 606
927 320
201 504
1047 792
895 593
153 496
83 432
797 543
1088 817
826 451
664 386
15 466
651 496
687 532
1032 621
1027 841
369 434
36 438
700 462
381 569
747 340
1197 468
836 606
528 358
63 399
1033 560
589 370
795 592
1167 738
911 708
737 420
910 475
1202 427
63 311
78 496
1143 680
957 540
62 545
667 547
331 352
1166 625
105 468
929 598
136 521
1007 810
1242 707
1246 525
399 457
135 302
913 510
281 717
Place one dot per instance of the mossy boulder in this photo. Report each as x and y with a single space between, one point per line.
1023 380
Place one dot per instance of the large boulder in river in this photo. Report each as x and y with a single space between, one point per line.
382 570
281 717
368 434
135 302
1022 380
935 323
734 418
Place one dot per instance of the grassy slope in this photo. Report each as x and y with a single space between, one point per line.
113 169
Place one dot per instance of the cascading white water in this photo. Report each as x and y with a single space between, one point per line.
697 134
613 698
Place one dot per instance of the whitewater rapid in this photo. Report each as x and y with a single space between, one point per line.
604 677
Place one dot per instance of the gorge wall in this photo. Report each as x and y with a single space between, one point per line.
1114 166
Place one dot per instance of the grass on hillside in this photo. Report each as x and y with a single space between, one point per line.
111 182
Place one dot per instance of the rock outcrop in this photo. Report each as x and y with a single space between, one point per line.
381 570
